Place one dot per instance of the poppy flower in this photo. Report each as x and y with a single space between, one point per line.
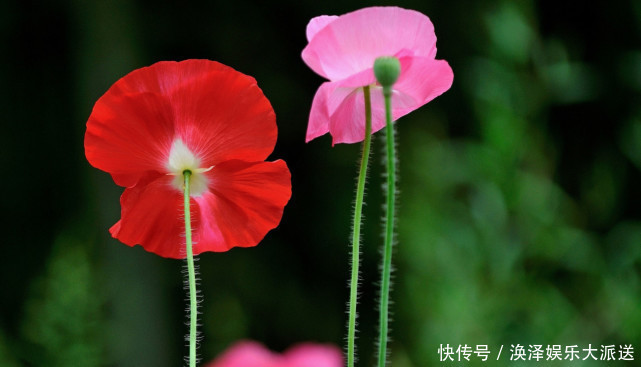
343 49
252 354
197 115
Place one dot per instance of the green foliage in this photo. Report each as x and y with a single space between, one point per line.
493 250
519 206
63 317
7 353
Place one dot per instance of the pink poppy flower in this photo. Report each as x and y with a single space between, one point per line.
252 354
197 115
343 49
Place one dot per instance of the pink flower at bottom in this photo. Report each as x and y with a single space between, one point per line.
253 354
343 48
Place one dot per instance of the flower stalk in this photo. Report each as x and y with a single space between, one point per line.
387 70
193 302
356 235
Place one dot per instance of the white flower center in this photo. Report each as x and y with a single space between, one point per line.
182 159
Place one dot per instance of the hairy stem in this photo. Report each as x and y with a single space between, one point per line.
193 303
389 230
356 236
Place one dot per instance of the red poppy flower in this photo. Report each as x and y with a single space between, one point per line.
197 115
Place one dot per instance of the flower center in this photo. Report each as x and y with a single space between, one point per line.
182 159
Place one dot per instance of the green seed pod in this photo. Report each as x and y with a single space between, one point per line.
387 71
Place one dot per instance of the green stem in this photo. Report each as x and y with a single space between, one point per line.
193 303
356 237
389 229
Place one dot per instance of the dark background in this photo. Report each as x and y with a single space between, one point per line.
519 215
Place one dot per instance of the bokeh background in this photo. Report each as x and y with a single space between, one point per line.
520 204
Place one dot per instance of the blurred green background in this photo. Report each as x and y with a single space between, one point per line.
519 215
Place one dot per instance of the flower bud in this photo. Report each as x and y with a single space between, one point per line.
387 70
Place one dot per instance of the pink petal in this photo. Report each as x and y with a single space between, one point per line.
319 114
346 105
351 43
329 97
313 355
128 135
253 354
318 23
244 202
246 354
347 123
340 96
313 27
422 79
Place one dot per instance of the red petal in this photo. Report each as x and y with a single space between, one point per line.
223 115
152 216
244 201
164 76
128 135
225 119
218 112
